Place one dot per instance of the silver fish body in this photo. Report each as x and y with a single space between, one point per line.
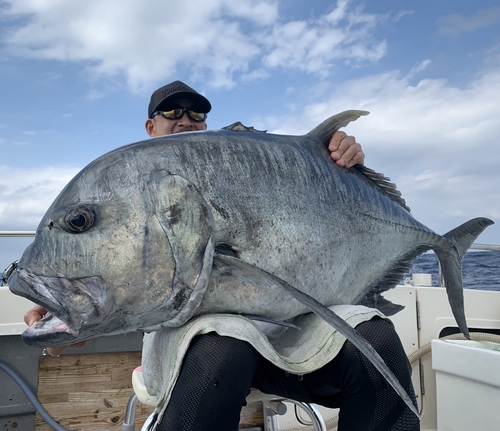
130 242
154 233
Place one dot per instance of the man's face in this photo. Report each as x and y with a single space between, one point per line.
160 126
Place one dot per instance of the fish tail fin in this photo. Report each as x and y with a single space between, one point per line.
464 235
461 238
327 128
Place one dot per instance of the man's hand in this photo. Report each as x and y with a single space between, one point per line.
34 315
345 151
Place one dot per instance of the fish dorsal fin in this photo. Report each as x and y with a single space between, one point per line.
324 133
240 127
383 184
327 128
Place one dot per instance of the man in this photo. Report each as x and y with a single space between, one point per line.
344 149
216 370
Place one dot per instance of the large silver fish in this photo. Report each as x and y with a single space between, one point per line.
157 232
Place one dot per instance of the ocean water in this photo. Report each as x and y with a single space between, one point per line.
480 269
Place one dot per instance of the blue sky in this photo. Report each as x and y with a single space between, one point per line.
76 77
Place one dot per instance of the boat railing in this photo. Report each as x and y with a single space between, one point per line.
485 247
31 233
17 233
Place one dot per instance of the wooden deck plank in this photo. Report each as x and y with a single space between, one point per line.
89 392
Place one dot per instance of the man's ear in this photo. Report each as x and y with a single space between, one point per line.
150 128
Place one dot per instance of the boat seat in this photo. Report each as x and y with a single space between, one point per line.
273 406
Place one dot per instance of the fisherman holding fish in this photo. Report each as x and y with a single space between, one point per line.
203 370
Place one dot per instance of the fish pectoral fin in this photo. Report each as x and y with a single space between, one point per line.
383 305
244 270
181 210
186 220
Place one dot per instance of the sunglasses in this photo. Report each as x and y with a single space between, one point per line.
174 114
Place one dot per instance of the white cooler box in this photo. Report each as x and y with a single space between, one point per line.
467 385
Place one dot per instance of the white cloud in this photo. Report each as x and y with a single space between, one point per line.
225 38
402 13
428 115
311 46
419 68
438 142
94 95
445 199
455 24
25 194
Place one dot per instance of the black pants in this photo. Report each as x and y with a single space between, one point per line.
217 374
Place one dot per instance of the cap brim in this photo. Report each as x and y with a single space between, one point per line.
199 100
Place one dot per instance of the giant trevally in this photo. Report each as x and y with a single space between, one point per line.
154 233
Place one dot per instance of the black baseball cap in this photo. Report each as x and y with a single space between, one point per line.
177 90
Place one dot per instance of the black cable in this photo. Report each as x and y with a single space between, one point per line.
31 397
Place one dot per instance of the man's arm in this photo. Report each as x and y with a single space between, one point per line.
345 151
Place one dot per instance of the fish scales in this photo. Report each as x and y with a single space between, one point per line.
280 201
154 233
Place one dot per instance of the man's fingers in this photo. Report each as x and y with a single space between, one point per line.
345 151
335 141
56 351
34 314
353 155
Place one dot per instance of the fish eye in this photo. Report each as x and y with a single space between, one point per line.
79 219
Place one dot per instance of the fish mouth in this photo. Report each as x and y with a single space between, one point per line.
72 306
49 331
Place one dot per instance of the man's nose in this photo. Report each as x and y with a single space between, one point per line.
185 119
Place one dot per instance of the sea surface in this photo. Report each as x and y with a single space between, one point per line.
480 269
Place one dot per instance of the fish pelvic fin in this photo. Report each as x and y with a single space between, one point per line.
245 270
461 238
327 128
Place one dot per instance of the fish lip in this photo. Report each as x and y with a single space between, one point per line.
25 283
60 327
43 334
